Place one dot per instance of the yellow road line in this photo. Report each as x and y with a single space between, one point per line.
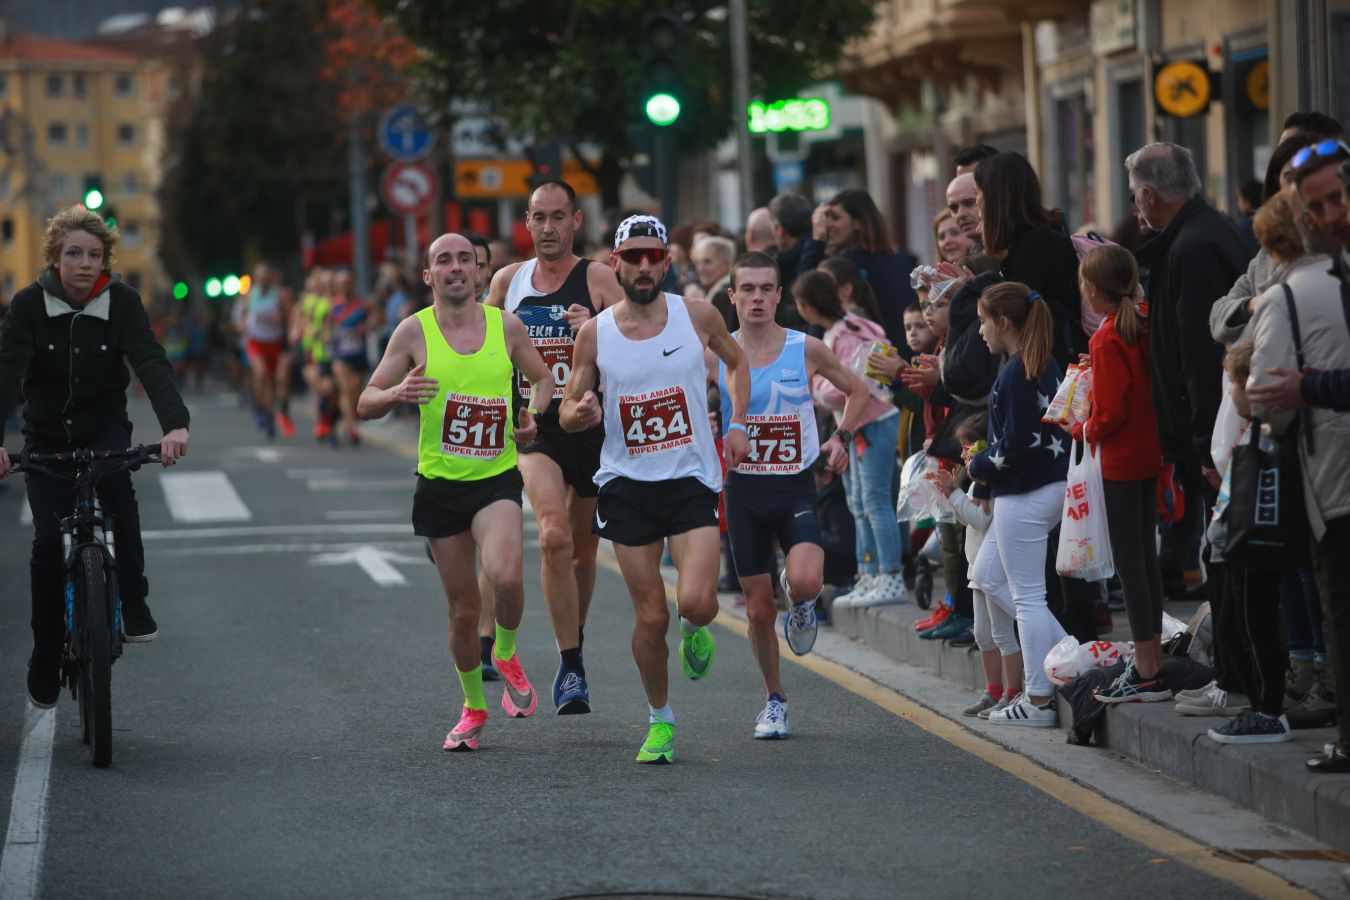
1170 845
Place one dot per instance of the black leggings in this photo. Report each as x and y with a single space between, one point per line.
1131 517
1258 609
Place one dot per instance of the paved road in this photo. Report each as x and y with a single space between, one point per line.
282 737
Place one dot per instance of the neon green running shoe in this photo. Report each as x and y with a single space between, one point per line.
660 744
696 651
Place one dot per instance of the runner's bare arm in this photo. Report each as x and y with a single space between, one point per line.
580 407
500 282
401 375
527 359
820 360
710 326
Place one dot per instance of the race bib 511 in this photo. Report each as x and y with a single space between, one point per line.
655 421
474 427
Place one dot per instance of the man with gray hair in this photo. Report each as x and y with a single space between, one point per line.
1193 261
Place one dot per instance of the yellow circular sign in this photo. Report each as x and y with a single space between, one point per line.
1258 84
1182 88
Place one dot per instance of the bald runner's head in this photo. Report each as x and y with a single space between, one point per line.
450 269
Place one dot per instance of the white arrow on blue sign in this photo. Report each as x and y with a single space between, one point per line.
404 135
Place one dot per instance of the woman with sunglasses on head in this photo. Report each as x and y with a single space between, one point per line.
851 225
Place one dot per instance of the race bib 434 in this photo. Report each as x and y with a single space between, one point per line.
655 421
474 427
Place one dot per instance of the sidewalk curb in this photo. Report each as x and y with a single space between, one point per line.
1269 779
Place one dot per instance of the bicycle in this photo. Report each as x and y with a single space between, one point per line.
93 609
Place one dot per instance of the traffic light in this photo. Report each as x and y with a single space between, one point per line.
662 67
180 291
93 195
546 160
109 216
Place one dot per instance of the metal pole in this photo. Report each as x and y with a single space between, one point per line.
740 93
410 249
664 145
356 165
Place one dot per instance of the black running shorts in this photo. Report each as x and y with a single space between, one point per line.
636 513
578 455
763 507
442 507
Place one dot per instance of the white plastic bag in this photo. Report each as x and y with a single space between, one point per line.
920 502
1084 544
1227 426
1172 626
1069 659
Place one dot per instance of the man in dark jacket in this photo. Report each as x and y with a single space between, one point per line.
1196 256
67 339
790 220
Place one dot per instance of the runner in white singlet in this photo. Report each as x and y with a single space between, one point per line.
659 474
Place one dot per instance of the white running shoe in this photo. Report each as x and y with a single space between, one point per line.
1024 712
889 589
772 722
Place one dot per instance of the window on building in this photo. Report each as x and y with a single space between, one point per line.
131 234
124 85
77 85
57 134
1073 166
81 135
1338 69
126 135
60 189
56 85
6 231
1130 104
129 183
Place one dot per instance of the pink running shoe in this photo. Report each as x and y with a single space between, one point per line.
464 736
518 698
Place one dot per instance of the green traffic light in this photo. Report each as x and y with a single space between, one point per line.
213 287
93 199
180 291
662 109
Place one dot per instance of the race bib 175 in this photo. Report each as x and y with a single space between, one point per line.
775 445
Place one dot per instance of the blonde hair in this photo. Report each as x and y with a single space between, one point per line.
1276 230
1111 269
1032 319
1238 361
77 218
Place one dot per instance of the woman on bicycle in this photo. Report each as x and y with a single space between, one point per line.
67 340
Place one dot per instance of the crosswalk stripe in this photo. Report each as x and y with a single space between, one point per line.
203 497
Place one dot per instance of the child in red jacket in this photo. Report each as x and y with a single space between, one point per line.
1124 429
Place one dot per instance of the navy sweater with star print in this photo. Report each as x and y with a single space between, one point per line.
1024 453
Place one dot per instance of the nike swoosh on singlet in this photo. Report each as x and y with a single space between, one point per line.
668 352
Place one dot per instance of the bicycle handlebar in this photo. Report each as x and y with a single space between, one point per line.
131 458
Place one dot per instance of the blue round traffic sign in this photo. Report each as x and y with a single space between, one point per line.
404 135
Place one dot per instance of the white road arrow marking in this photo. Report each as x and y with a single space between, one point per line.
375 562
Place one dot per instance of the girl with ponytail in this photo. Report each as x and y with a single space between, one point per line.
1124 429
1022 474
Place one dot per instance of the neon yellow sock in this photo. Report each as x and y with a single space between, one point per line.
505 646
472 684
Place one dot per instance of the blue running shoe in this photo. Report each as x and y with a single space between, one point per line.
571 697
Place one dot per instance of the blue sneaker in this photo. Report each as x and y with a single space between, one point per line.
570 694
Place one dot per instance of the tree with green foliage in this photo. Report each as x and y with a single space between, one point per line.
571 72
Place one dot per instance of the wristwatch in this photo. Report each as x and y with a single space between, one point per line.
845 436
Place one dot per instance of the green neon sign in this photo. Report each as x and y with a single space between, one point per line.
789 115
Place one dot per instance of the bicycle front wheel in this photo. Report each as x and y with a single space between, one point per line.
95 636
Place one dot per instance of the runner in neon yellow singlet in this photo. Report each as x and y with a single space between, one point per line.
455 361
